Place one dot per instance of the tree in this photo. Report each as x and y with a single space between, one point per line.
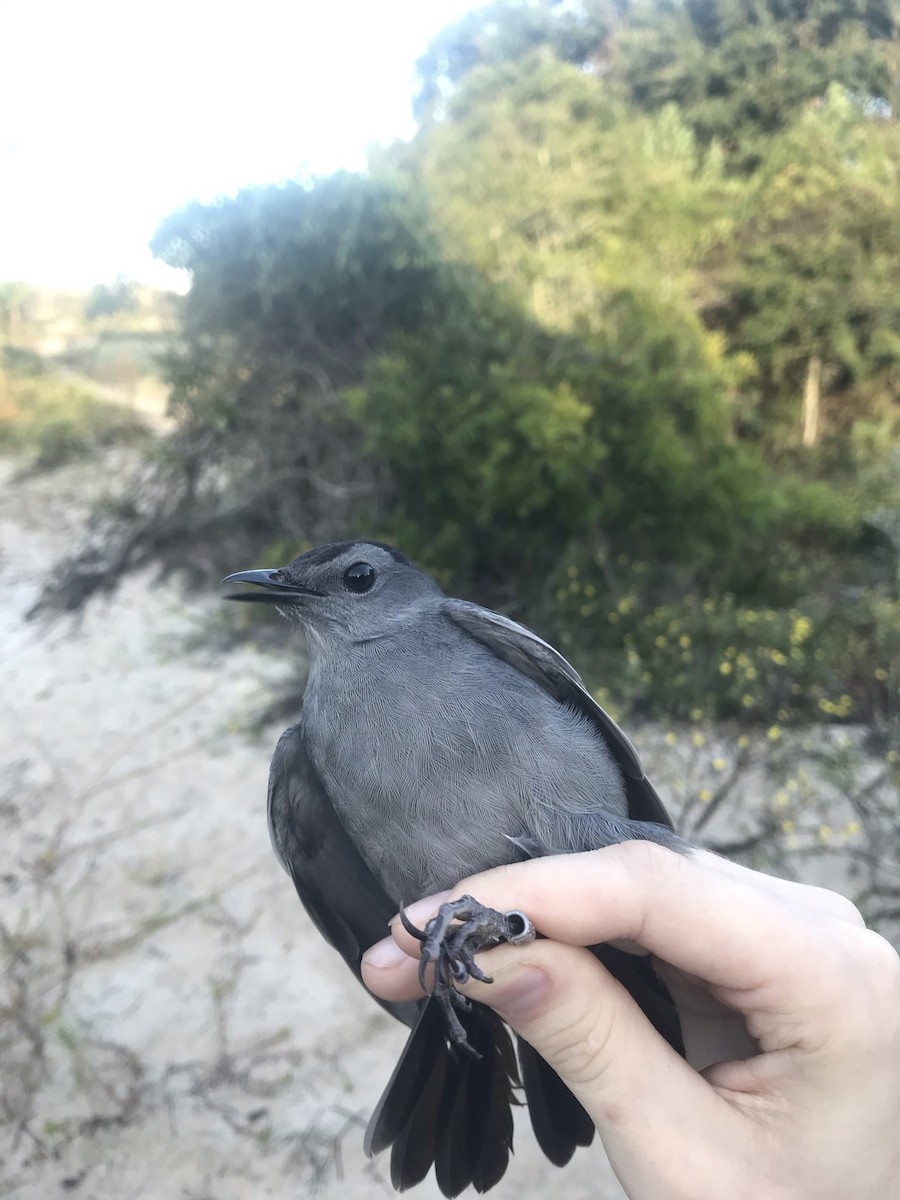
805 281
546 184
744 69
508 31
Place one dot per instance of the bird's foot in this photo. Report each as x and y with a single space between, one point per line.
451 940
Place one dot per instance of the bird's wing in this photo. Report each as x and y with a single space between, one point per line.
338 890
538 660
440 1107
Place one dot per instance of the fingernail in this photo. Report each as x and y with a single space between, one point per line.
520 993
384 954
420 912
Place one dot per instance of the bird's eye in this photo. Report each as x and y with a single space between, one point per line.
359 577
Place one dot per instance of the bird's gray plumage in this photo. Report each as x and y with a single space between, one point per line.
439 739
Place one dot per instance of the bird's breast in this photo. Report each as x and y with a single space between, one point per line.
432 772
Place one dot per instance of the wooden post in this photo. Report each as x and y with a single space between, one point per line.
812 393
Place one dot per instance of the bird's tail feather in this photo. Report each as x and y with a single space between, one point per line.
444 1107
559 1122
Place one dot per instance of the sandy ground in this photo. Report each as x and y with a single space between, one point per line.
171 1026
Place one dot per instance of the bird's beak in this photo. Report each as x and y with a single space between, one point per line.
278 589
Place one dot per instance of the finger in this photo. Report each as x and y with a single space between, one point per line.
389 972
721 926
590 1030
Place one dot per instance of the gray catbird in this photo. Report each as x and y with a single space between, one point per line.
438 739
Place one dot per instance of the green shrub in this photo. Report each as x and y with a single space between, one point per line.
50 421
700 656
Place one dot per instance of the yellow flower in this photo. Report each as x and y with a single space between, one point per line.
698 739
750 673
647 677
825 833
612 617
880 674
724 668
562 594
684 641
743 742
800 630
705 796
586 610
671 739
747 701
851 829
891 756
773 733
696 714
778 658
788 826
719 764
572 572
590 591
660 642
782 799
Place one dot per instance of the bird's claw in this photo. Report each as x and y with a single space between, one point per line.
450 941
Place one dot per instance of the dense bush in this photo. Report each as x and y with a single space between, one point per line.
698 656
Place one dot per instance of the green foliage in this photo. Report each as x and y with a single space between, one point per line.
515 441
596 178
809 268
717 656
741 70
508 31
738 70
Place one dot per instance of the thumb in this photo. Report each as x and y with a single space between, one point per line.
581 1020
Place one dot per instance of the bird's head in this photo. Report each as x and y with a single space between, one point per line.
345 591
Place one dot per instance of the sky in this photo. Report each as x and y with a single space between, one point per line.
114 114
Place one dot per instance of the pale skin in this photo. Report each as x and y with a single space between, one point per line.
790 1008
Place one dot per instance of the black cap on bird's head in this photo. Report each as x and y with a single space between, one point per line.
324 586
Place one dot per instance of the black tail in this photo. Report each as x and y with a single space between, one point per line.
443 1107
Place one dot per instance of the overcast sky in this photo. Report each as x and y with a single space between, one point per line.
114 114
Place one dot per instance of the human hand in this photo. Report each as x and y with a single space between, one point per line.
812 1114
